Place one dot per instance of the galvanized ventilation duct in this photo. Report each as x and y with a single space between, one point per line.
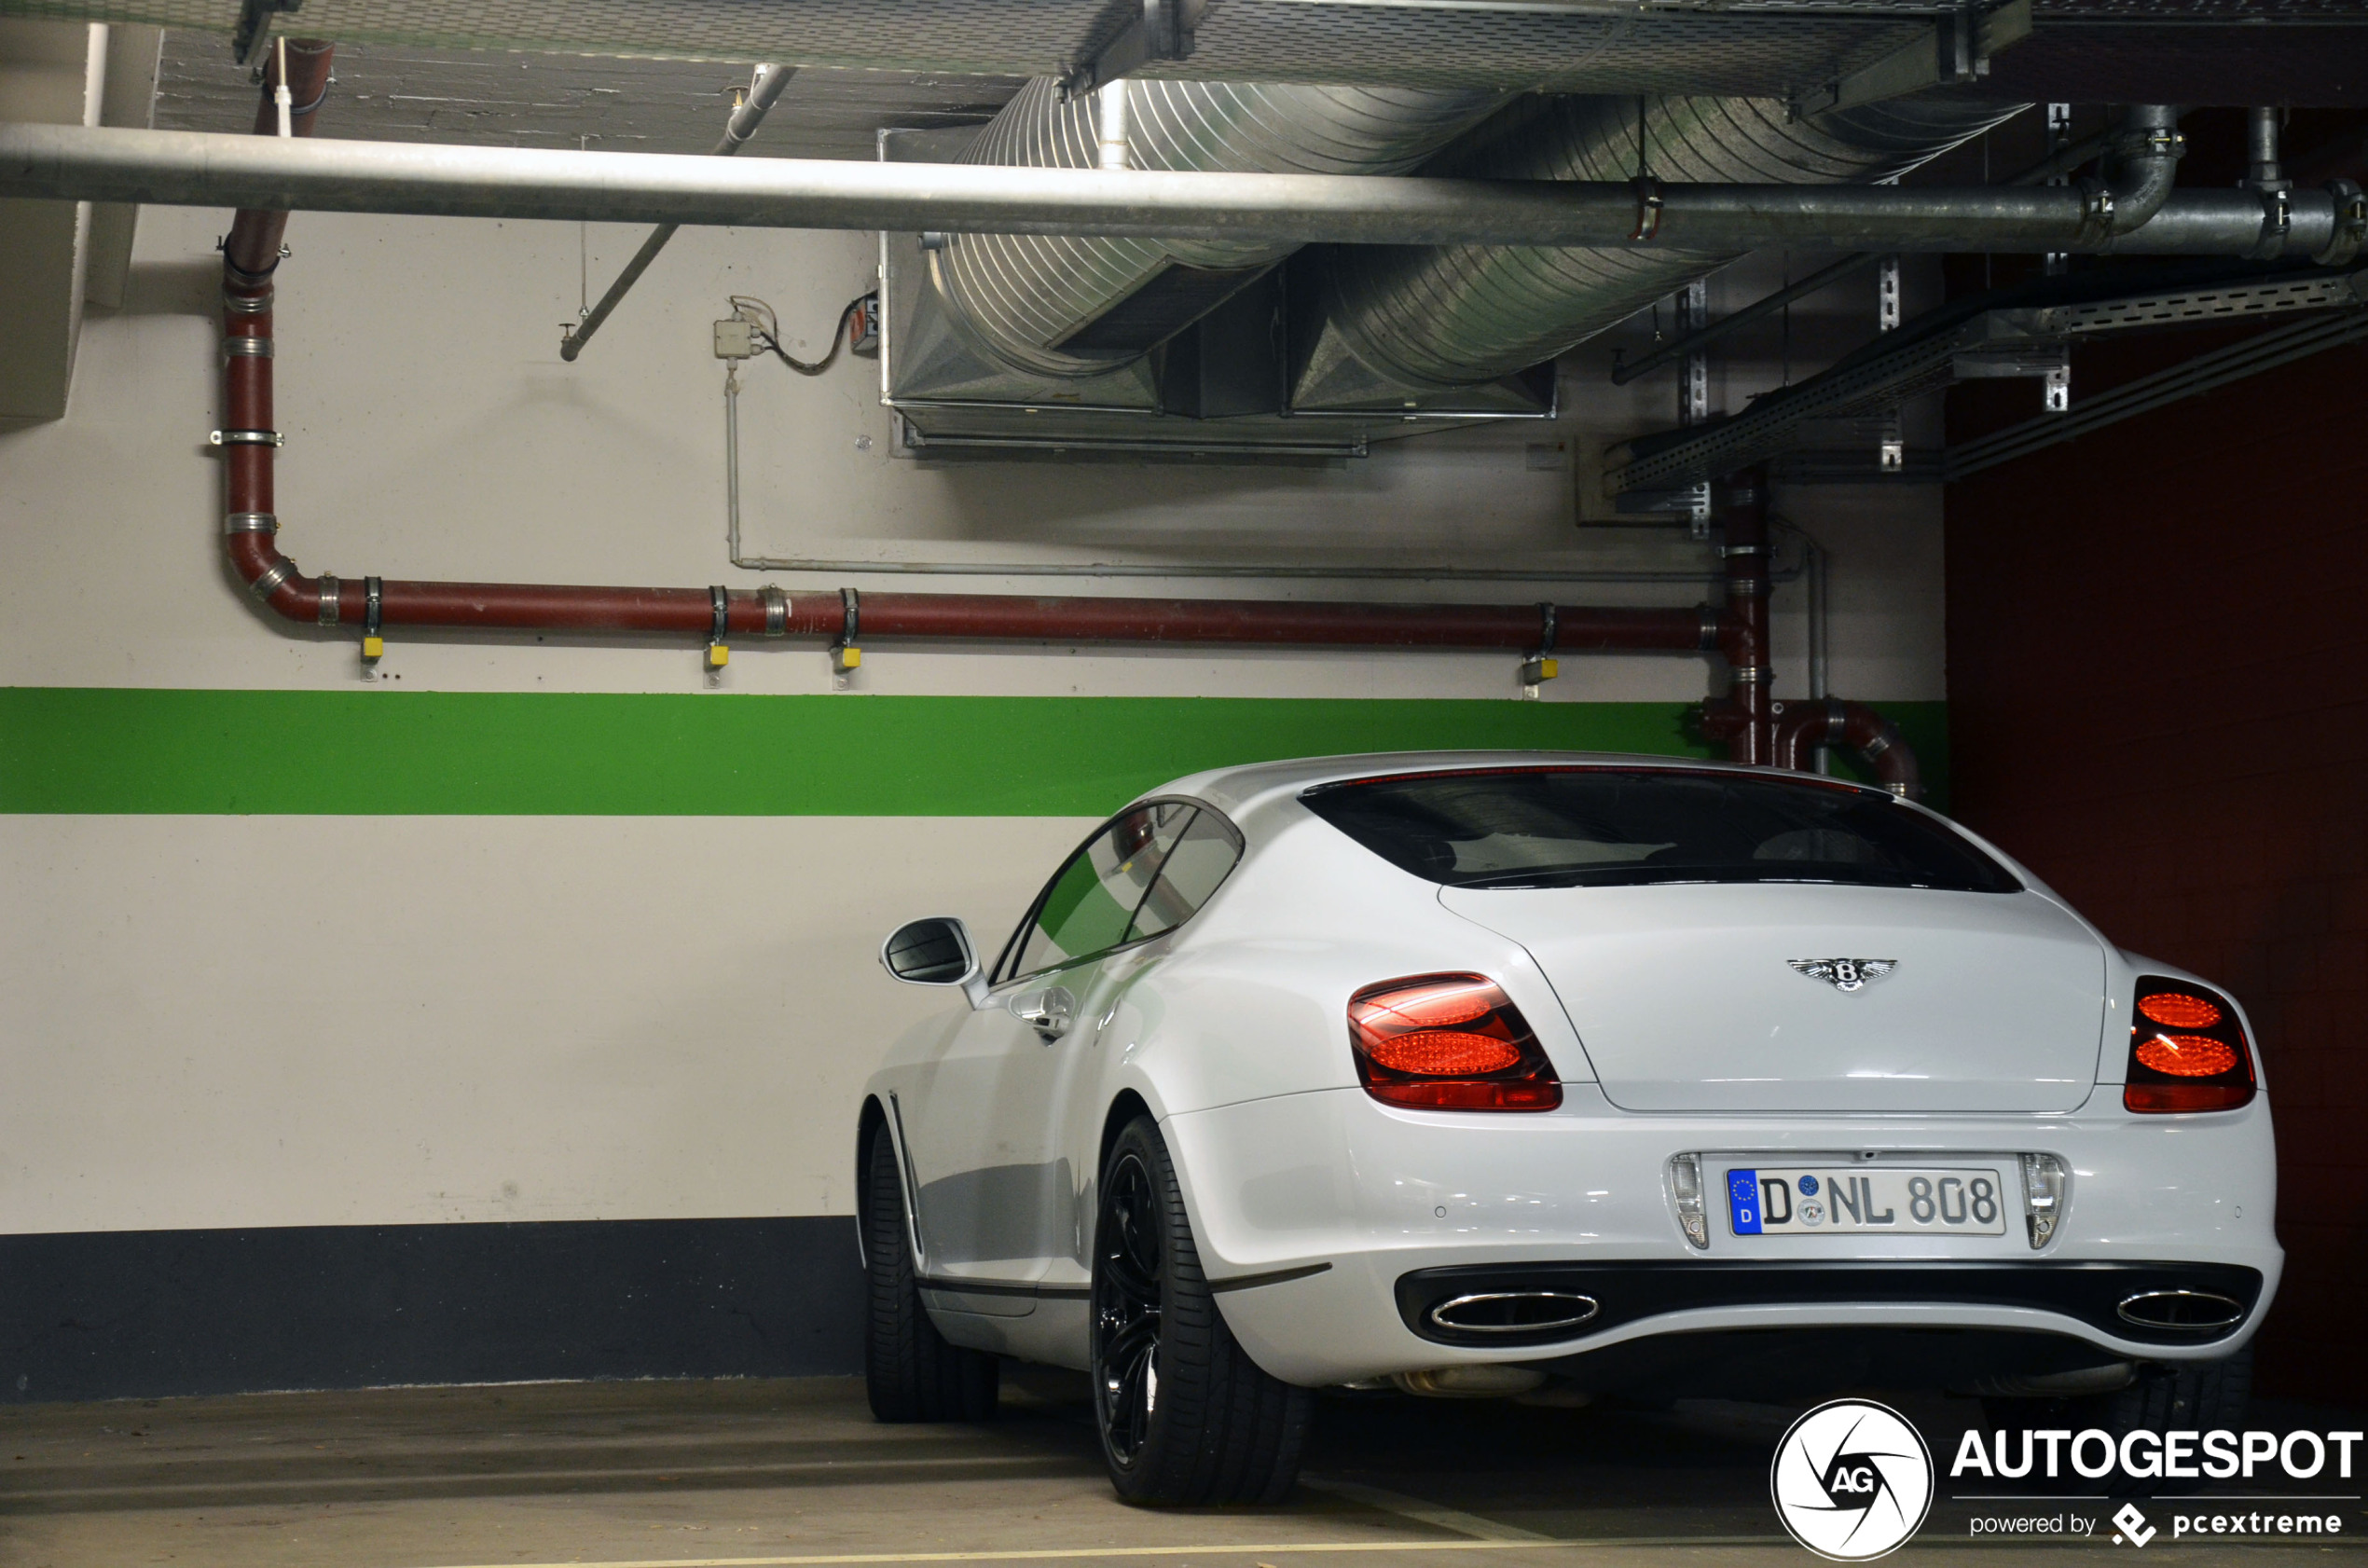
1078 305
1391 320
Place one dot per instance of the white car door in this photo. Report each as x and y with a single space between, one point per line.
1206 849
995 1192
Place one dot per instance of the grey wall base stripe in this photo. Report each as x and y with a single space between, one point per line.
149 1313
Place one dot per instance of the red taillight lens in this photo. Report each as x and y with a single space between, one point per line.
2181 1009
1448 1042
2186 1055
2186 1052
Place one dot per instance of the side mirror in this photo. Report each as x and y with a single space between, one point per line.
935 952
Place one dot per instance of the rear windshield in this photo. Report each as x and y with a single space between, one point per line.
1616 827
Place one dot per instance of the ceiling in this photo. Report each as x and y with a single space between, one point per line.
658 75
393 92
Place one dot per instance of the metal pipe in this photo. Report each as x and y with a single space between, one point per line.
1820 631
250 543
1850 266
299 69
1109 103
1277 572
1874 739
71 162
714 613
2261 145
1741 718
763 92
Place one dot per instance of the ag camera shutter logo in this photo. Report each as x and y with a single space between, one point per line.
1853 1480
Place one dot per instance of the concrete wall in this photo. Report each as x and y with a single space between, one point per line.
558 929
51 73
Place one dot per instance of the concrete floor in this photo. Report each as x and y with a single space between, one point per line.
745 1473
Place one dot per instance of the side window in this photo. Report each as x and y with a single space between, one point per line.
1092 899
1203 856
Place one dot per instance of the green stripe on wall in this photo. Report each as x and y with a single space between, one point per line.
109 749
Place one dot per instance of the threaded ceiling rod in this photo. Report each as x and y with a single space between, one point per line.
763 91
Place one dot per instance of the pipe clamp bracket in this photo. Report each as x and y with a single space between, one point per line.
1542 665
279 571
719 650
845 654
373 604
2351 224
2277 222
1649 200
245 438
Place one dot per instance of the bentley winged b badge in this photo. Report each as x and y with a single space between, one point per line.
1845 974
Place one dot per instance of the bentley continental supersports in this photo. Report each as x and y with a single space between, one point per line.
1556 1075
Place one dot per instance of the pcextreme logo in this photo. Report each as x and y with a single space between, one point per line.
1853 1480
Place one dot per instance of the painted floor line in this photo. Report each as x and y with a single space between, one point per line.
654 1474
1421 1512
1205 1548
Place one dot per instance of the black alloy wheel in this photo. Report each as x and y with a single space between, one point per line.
909 1373
1126 1309
1185 1416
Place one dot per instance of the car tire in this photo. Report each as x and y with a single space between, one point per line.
910 1371
1185 1416
2162 1397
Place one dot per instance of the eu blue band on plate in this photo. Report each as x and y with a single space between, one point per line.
1742 1201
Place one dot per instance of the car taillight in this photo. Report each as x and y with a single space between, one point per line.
1448 1042
2186 1051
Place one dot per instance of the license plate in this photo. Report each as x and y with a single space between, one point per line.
1813 1200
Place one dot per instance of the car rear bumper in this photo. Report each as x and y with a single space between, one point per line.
1410 1209
2107 1297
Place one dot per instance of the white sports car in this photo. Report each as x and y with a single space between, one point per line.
1479 1072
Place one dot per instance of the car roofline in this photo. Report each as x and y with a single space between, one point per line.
1246 787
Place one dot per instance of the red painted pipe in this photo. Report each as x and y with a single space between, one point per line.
253 248
251 254
1520 627
1741 717
1811 724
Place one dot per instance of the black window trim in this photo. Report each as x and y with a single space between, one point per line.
1674 766
997 977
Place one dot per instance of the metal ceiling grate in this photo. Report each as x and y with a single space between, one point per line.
1599 45
1749 53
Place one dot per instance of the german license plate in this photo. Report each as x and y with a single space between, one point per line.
1969 1200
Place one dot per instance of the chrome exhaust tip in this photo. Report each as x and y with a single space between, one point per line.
1513 1312
2107 1378
2197 1312
1484 1382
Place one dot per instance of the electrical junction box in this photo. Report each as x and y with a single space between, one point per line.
735 339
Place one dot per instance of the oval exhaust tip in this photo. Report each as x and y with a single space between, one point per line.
1513 1312
2191 1311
